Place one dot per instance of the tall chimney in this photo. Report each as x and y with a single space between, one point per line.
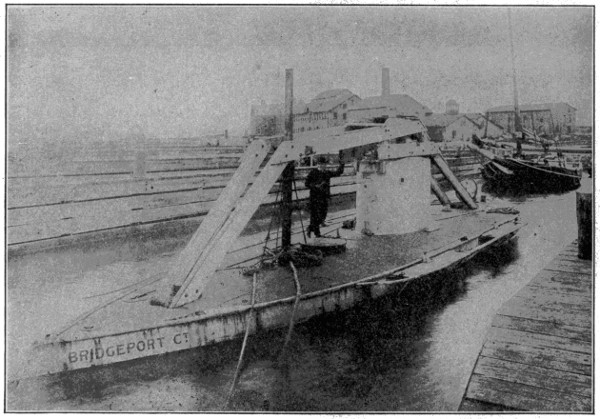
385 81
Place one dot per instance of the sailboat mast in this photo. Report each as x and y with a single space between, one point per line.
288 173
515 92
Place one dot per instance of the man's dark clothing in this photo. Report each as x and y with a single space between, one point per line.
319 184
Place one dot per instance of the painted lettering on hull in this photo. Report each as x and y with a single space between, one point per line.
103 352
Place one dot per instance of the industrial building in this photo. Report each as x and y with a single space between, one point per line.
454 126
387 105
543 118
328 109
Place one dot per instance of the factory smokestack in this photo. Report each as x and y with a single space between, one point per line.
385 82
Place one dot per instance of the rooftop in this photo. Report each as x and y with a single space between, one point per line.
329 99
266 109
404 104
530 107
439 119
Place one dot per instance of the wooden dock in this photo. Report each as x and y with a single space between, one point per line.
538 353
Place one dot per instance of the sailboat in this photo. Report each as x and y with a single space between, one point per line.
515 172
529 176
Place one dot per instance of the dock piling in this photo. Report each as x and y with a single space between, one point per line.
584 225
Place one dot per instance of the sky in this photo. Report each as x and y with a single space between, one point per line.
92 72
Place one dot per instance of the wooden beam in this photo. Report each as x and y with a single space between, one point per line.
186 262
223 239
462 193
287 178
441 195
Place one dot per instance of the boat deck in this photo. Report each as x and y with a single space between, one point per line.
365 256
105 316
538 353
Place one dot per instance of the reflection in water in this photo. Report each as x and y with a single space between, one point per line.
411 351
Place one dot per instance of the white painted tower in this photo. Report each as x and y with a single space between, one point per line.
393 195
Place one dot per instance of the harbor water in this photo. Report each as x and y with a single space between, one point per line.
413 351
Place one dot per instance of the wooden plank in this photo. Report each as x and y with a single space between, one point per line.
582 267
439 161
220 211
570 251
585 293
555 314
557 293
572 257
541 357
102 190
457 166
210 260
99 220
435 187
16 184
67 167
105 207
524 397
31 232
542 327
537 340
65 190
540 303
478 406
514 372
557 279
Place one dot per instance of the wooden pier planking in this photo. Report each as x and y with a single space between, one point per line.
538 353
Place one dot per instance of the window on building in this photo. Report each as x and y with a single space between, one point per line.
344 106
453 134
335 115
344 116
302 129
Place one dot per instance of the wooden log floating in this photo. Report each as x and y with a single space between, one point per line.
103 190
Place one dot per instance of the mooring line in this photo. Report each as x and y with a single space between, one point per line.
247 332
296 301
87 314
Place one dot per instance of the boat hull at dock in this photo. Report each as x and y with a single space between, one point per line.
128 330
529 176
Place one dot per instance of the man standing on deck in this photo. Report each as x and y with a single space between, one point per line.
318 182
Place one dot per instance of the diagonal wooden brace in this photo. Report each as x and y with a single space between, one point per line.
186 261
462 193
214 253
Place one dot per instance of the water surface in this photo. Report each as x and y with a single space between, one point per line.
413 351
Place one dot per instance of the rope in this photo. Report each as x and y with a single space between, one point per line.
96 309
246 333
135 284
291 326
